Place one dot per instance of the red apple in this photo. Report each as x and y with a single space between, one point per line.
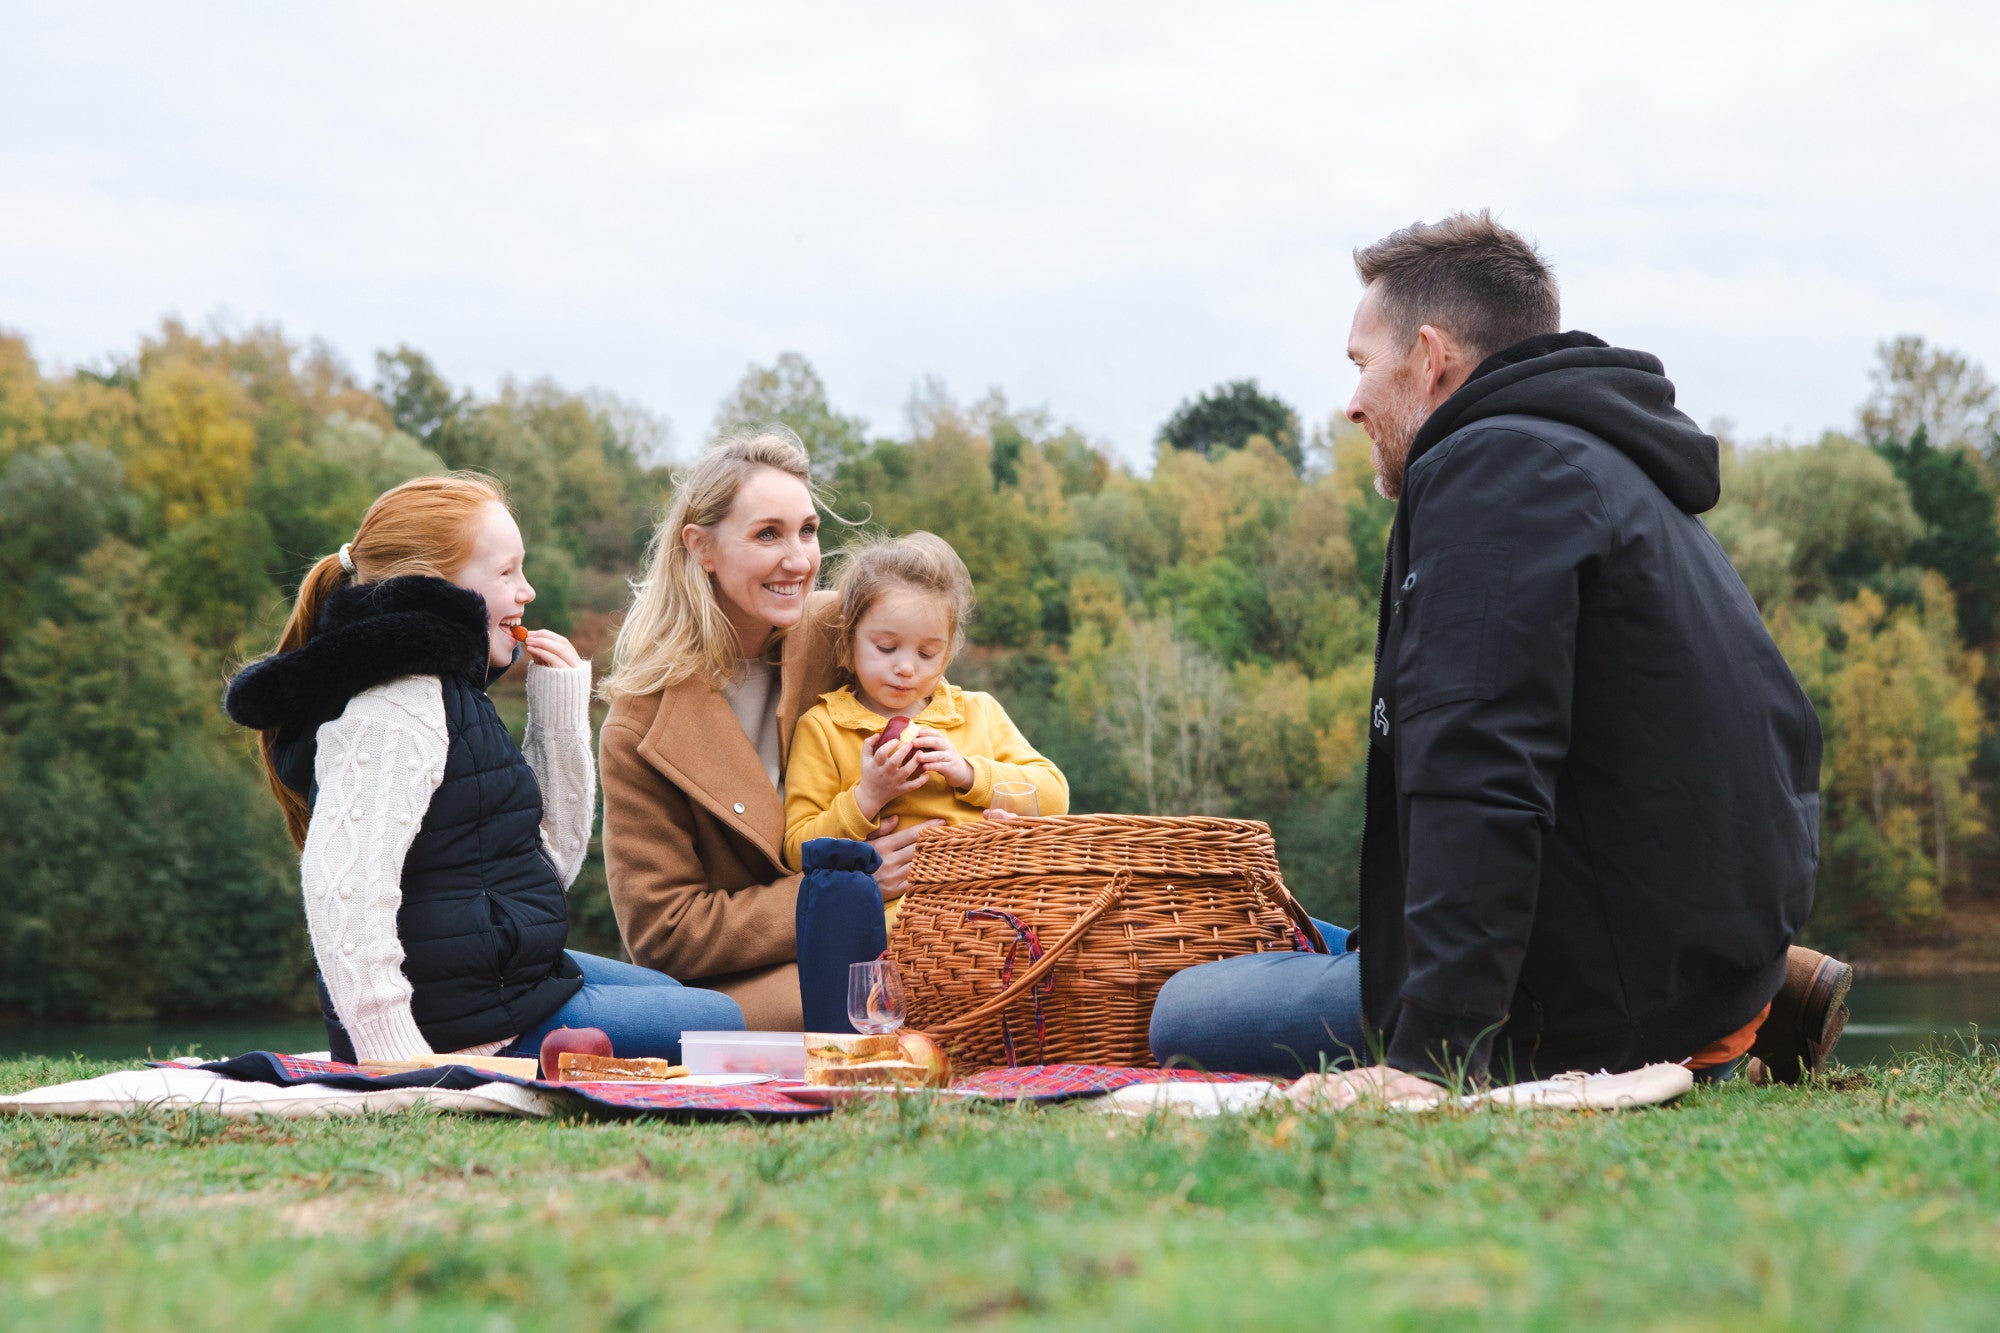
584 1041
919 1049
894 729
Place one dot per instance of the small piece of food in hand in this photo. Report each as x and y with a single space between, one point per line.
519 631
576 1067
588 1041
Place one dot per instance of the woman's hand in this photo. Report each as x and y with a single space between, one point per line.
937 755
884 778
547 648
1378 1085
897 848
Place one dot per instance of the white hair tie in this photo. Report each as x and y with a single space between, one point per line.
347 559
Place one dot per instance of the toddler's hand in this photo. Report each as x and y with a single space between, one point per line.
883 778
937 755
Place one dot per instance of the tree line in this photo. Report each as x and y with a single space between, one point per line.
1194 637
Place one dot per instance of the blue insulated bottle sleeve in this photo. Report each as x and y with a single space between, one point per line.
839 922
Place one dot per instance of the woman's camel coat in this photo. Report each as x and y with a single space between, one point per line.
694 833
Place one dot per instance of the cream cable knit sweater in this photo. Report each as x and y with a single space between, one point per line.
378 765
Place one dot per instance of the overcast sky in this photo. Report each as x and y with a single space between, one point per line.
1098 208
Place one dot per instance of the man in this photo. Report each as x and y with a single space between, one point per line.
1592 784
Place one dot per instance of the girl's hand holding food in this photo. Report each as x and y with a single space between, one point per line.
938 755
547 648
887 771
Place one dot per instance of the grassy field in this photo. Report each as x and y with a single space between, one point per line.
1870 1200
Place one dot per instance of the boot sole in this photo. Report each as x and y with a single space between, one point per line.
1824 1016
1797 1041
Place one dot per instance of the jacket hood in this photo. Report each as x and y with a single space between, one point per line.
1621 396
369 634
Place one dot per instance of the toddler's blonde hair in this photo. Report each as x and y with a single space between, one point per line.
921 562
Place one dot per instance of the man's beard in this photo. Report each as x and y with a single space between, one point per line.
1391 454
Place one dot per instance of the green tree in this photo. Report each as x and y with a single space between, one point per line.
380 458
56 503
1165 710
1960 540
214 578
1229 416
1906 724
790 393
421 403
109 680
1933 390
1837 507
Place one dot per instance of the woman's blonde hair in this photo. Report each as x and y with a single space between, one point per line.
922 562
676 629
426 526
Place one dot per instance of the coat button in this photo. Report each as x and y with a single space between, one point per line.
738 807
347 948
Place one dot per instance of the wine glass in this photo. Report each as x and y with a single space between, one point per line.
1016 798
875 996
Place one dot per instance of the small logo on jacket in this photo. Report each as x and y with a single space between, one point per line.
1382 715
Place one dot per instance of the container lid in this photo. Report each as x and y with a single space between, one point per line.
745 1038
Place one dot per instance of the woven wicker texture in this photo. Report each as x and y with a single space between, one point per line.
1115 904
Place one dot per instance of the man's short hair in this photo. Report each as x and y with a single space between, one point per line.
1484 284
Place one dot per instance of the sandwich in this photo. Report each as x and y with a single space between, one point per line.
577 1067
867 1060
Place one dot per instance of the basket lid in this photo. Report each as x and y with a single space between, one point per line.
1187 846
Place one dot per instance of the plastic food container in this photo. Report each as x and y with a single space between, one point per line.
779 1054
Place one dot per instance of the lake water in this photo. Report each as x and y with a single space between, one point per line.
1889 1016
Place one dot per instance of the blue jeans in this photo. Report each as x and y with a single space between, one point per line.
643 1012
1265 1013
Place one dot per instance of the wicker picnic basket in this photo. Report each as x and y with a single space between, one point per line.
1045 941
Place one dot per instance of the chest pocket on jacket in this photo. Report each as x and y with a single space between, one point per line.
1457 598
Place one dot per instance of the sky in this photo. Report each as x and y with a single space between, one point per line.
1101 209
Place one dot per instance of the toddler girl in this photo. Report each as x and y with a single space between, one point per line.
903 608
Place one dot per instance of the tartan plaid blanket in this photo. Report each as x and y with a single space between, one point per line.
758 1101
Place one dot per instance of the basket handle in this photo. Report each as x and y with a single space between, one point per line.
1264 883
1106 899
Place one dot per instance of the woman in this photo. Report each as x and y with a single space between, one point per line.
725 646
435 853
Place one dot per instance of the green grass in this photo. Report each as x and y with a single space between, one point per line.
1872 1199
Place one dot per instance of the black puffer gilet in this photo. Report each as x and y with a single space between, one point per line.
483 917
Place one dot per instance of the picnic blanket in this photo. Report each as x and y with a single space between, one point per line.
274 1083
174 1087
1652 1085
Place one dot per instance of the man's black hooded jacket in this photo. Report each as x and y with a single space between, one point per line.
1593 810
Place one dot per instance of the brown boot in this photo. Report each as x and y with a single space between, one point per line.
1806 1019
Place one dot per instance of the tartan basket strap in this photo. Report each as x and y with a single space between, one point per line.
1106 899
